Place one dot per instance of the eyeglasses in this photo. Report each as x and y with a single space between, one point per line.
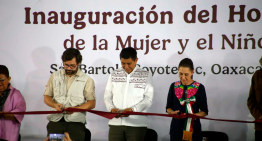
71 66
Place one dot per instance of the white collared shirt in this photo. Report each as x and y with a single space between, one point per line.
134 90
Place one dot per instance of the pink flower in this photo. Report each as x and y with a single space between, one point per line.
178 92
191 92
196 84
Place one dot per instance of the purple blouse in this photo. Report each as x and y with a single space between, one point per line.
15 102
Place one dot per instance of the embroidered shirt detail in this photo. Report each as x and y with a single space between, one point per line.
191 91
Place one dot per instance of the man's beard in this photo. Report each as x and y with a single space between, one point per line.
71 72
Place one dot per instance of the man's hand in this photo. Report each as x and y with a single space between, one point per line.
115 110
67 112
126 110
59 107
51 103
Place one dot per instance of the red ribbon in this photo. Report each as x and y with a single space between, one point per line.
109 115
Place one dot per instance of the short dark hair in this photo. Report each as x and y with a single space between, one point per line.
186 62
4 70
71 53
128 52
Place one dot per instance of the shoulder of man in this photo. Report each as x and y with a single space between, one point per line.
57 72
257 74
56 75
84 75
139 72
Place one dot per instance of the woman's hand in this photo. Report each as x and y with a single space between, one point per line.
174 112
171 112
200 114
8 116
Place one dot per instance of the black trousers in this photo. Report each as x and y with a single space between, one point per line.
258 135
126 133
76 130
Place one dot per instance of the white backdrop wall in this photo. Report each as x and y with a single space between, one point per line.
32 51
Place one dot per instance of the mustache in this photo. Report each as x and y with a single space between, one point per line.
69 72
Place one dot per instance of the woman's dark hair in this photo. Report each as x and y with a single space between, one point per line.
71 53
128 52
4 70
188 63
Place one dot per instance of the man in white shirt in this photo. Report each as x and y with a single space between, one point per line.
128 89
69 87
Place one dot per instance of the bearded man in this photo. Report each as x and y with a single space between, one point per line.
69 88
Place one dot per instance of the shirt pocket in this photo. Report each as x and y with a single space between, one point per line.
136 91
76 100
140 86
139 83
58 87
60 100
